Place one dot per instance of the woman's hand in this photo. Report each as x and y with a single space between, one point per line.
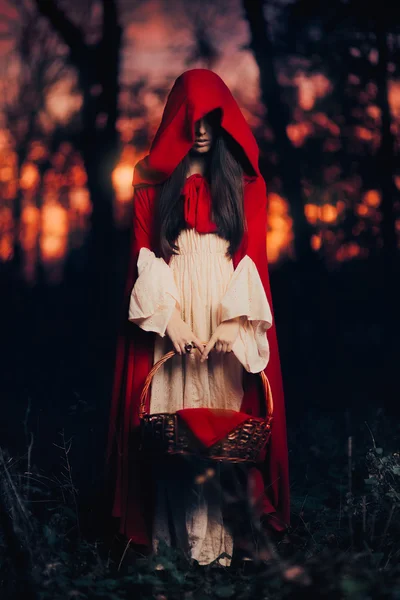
223 337
180 333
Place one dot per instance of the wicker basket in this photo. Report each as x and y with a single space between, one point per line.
166 433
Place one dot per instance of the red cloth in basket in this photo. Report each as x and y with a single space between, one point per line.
210 425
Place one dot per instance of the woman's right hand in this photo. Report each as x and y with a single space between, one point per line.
180 333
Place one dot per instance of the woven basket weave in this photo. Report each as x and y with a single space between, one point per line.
166 433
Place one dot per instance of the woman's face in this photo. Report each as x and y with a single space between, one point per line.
204 135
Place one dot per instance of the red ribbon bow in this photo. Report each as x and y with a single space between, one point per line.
197 204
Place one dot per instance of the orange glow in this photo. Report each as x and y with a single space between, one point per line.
37 152
5 140
312 213
52 247
6 174
362 210
30 176
374 112
122 182
353 249
316 242
372 198
280 234
54 231
9 158
6 247
58 160
126 128
62 101
394 98
54 219
10 190
363 133
306 94
80 200
328 213
6 234
299 132
340 206
78 176
123 174
53 180
397 225
349 251
310 88
130 155
158 31
79 206
323 120
29 227
6 219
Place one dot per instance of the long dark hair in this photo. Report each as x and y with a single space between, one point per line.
224 173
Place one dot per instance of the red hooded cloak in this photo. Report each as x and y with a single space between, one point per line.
195 93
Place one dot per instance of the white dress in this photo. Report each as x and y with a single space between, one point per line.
208 290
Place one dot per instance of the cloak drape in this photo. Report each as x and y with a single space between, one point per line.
195 93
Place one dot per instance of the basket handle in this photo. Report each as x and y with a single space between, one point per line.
143 396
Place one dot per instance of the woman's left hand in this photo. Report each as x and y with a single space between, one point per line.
223 338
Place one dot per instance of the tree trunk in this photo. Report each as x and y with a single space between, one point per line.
278 120
385 172
385 155
97 69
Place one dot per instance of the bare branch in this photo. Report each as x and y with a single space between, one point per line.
70 34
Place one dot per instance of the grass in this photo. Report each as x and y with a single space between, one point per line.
344 541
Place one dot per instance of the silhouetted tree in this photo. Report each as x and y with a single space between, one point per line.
39 68
97 65
278 119
343 25
369 28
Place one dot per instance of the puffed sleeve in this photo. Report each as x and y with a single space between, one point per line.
245 297
154 295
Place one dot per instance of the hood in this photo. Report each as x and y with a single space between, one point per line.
194 93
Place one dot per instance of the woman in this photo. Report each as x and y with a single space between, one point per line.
198 272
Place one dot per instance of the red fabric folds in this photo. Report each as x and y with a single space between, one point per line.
194 94
197 204
210 425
